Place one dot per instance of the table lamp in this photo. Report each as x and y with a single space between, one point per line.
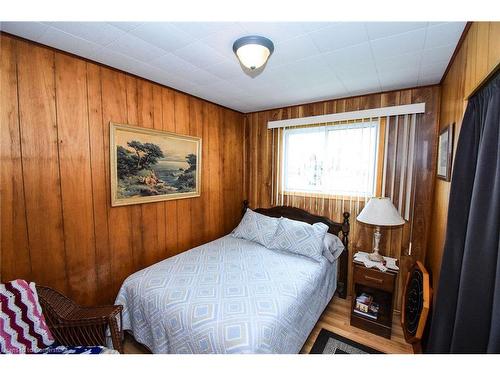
379 211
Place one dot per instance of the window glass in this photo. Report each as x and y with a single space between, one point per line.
333 160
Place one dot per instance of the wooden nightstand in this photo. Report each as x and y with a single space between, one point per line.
381 286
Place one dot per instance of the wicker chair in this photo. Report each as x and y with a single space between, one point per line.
74 325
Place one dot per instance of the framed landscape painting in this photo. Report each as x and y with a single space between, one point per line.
151 165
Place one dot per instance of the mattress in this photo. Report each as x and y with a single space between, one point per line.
227 296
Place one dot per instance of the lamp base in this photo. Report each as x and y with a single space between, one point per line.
376 257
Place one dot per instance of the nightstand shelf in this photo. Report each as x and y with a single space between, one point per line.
380 285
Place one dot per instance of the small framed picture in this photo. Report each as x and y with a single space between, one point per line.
445 153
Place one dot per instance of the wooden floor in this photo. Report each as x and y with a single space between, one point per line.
335 319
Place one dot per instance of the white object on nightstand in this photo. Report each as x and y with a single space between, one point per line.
363 257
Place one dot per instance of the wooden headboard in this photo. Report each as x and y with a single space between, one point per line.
339 229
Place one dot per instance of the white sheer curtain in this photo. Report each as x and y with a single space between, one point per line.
331 168
331 164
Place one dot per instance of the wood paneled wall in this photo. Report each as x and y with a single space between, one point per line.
258 162
477 57
58 227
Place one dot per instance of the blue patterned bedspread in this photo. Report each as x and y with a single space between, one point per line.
227 296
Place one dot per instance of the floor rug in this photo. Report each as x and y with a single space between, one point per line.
330 343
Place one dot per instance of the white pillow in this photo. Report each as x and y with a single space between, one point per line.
256 227
300 238
333 247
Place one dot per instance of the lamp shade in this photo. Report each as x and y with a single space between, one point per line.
381 212
253 51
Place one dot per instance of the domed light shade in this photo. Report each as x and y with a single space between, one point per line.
253 51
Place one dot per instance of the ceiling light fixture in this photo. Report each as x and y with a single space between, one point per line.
253 51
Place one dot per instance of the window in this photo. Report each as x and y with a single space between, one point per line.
331 160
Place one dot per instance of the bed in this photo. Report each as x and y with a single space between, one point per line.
233 295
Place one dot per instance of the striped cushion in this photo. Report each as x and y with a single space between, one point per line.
22 326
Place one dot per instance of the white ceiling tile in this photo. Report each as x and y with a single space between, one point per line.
293 49
222 41
369 85
163 35
328 88
429 79
399 62
359 76
399 85
410 73
244 108
225 96
357 55
117 60
436 23
236 104
259 103
197 91
140 68
137 48
434 55
258 86
226 69
407 77
339 36
311 70
276 31
126 26
200 77
378 30
315 26
400 44
222 87
367 90
295 96
200 30
28 30
433 69
173 64
287 89
176 82
443 34
101 33
199 54
69 43
356 71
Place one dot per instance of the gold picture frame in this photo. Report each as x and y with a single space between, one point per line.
150 165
